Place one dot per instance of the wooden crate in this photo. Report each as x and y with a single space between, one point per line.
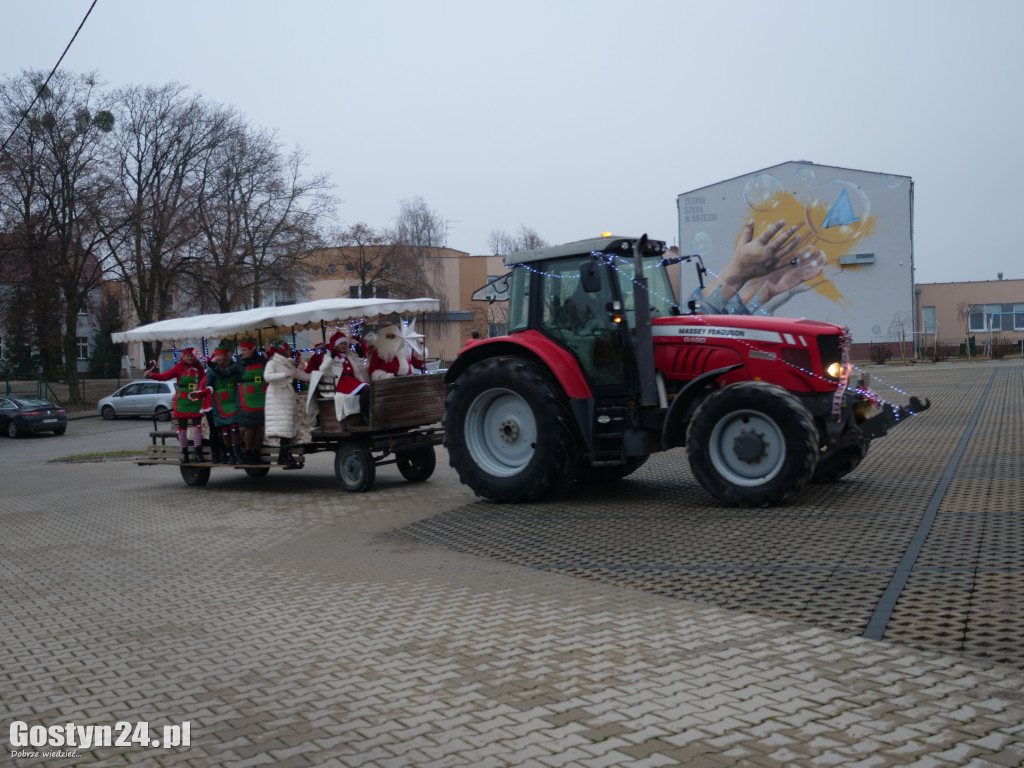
401 402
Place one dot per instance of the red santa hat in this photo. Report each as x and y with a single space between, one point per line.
247 344
340 339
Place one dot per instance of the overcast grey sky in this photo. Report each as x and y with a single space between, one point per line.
577 117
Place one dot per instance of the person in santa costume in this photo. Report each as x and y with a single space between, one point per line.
343 377
281 402
397 352
222 377
188 399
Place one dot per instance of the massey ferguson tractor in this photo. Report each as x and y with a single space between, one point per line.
601 368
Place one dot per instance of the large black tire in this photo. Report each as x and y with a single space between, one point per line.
509 432
839 464
108 413
12 428
354 468
418 464
752 444
603 475
257 472
60 431
195 476
160 414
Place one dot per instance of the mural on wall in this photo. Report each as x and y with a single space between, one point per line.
803 240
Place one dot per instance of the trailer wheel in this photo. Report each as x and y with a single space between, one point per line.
839 464
195 476
752 444
354 468
509 432
417 464
257 471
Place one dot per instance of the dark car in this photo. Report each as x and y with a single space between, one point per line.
21 415
139 398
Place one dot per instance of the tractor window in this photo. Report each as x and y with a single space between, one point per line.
580 320
659 288
519 300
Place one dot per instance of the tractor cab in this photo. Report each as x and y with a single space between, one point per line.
581 296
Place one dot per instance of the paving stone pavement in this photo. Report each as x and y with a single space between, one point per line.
294 625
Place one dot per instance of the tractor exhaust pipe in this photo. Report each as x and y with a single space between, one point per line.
644 337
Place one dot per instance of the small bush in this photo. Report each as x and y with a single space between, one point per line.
1001 349
880 353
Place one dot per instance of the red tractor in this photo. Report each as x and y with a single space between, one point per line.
600 369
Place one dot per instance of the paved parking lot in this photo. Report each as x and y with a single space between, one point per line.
634 625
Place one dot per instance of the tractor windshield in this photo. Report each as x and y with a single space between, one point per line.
662 297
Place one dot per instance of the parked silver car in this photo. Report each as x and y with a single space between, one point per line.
139 398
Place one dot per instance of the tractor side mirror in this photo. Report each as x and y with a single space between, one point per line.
590 276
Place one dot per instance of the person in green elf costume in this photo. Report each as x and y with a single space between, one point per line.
252 399
222 378
188 400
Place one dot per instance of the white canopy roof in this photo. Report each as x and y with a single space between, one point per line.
274 320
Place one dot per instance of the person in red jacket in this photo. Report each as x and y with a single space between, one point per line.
188 399
397 352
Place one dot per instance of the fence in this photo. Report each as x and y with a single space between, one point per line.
59 392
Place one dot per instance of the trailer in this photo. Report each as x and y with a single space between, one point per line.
401 425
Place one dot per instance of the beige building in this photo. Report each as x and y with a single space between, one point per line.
461 274
990 311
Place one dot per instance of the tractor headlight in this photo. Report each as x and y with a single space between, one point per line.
834 370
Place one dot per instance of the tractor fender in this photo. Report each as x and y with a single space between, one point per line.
673 431
531 345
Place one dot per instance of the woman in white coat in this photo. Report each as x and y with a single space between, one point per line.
282 402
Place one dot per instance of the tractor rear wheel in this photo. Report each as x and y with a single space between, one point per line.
509 432
752 444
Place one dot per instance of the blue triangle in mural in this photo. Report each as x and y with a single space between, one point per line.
841 212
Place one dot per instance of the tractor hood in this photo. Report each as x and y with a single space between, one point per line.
761 329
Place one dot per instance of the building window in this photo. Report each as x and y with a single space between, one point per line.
278 298
370 291
83 347
928 315
985 317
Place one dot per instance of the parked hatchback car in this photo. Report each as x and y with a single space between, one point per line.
21 415
139 398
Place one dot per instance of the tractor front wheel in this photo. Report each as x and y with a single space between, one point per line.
752 444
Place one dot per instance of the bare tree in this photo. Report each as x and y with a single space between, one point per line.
257 216
162 136
54 178
417 241
365 253
502 243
